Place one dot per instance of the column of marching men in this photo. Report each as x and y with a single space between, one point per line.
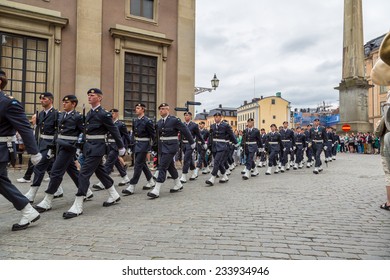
57 146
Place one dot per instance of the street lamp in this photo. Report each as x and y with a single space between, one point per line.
214 85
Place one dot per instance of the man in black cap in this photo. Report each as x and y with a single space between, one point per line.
168 129
47 125
12 119
112 156
309 149
220 134
201 151
273 146
287 136
318 139
98 123
251 142
187 150
70 126
143 135
329 144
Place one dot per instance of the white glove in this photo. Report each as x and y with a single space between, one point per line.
325 148
35 159
284 149
78 153
193 145
122 152
237 145
259 150
205 146
208 152
309 145
129 151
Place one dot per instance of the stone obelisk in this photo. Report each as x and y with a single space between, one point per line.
353 88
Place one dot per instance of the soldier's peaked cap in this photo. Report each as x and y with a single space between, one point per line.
114 110
163 105
95 90
140 105
217 114
70 97
46 94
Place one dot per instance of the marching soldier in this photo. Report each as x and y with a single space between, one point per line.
47 124
168 128
300 145
201 151
12 119
252 144
113 156
287 136
273 146
98 123
70 127
309 148
336 142
329 144
219 133
318 139
262 155
188 162
142 136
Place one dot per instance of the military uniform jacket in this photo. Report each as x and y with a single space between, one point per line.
205 134
47 128
330 137
273 141
143 133
70 126
123 133
195 133
12 118
98 123
252 140
167 132
318 134
287 136
300 139
220 136
307 136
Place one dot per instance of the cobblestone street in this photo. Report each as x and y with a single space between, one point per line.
295 215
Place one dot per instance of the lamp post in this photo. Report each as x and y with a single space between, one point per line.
214 85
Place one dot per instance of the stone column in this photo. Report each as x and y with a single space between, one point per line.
89 47
353 88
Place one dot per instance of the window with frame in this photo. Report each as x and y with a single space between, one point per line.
25 60
142 8
273 101
140 84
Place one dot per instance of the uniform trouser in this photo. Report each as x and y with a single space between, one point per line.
249 164
219 163
292 155
317 149
286 152
263 157
139 166
309 153
328 152
112 159
299 155
9 191
41 168
166 163
93 164
63 162
188 162
273 153
29 171
230 157
225 159
201 158
334 149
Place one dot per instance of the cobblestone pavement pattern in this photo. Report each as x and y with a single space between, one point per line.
295 215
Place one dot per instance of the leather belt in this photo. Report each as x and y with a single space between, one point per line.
47 137
273 143
251 143
286 140
65 137
318 141
220 140
111 140
4 139
142 139
299 143
164 138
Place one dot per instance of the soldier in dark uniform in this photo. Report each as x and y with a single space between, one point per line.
70 127
318 139
168 128
300 145
261 154
220 132
112 156
336 141
273 145
287 136
12 119
252 144
201 151
329 144
188 162
309 149
142 137
98 123
47 124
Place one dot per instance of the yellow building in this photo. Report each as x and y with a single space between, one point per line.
265 111
377 95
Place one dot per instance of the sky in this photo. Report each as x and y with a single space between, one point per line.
260 47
